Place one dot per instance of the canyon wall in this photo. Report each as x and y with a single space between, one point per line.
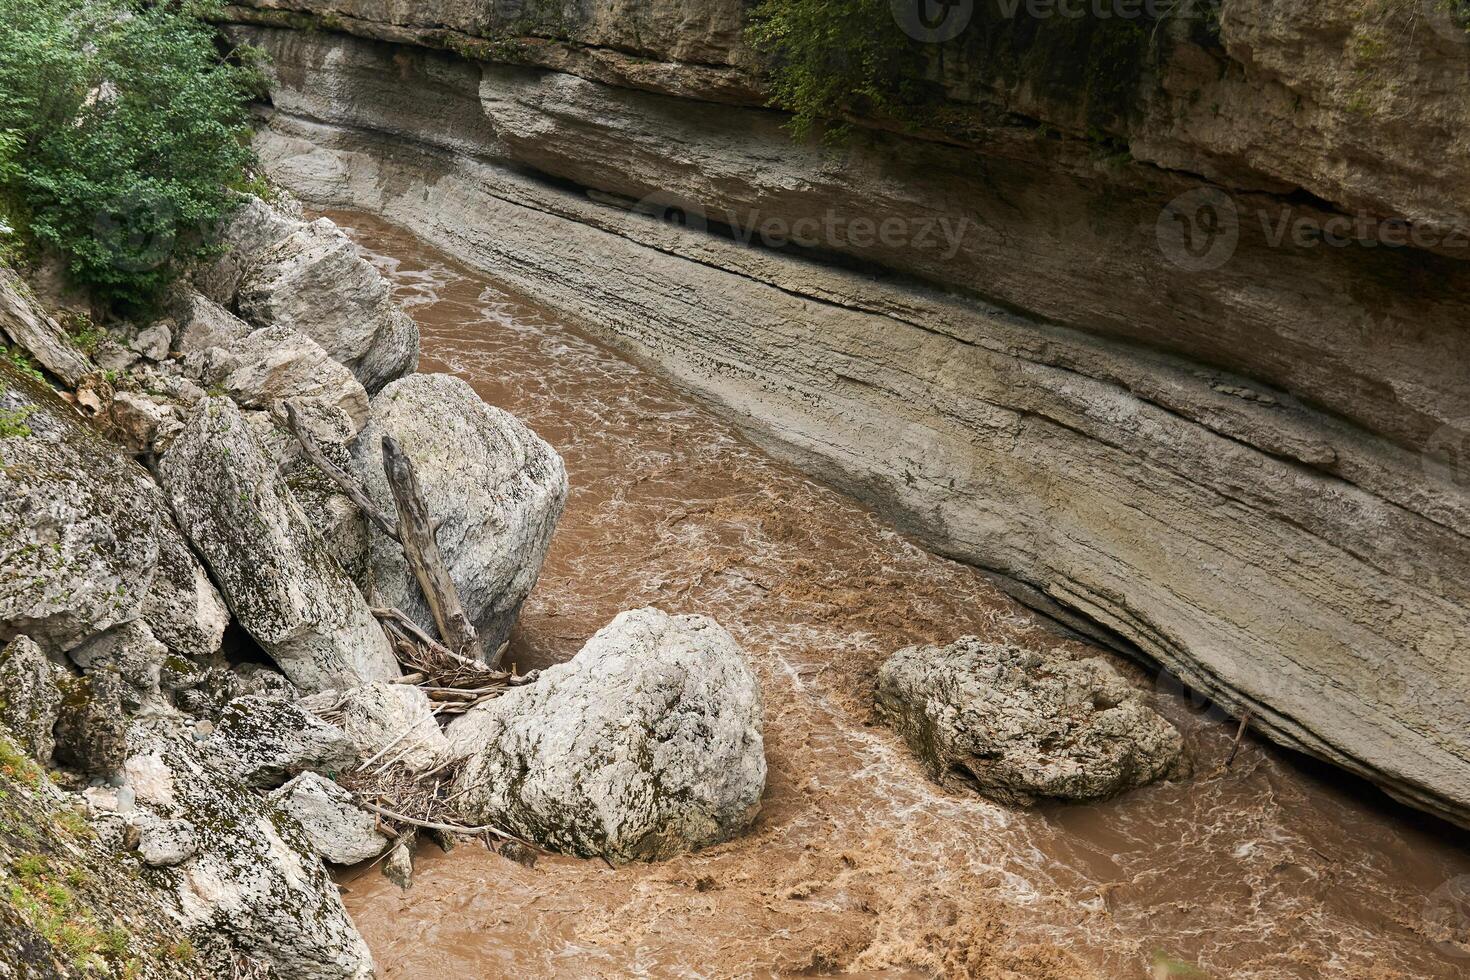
1134 332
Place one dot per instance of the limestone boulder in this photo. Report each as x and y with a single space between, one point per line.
278 363
91 728
242 872
1022 726
26 323
86 538
246 234
335 827
645 744
314 281
271 565
132 652
203 323
496 489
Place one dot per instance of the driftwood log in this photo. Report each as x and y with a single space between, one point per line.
415 532
421 549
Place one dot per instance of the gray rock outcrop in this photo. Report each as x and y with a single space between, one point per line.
313 281
335 827
275 573
645 744
251 875
270 739
495 487
88 542
30 698
1022 726
25 323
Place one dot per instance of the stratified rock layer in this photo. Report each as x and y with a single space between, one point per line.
645 744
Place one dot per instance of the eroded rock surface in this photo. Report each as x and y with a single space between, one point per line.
495 487
280 581
30 698
1023 726
645 744
314 282
251 874
270 739
393 724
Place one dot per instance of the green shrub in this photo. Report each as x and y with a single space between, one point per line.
828 57
121 128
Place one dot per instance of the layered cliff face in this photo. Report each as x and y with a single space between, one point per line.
1130 332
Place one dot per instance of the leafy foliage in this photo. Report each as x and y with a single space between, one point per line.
827 57
121 128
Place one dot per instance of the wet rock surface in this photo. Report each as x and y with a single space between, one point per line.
646 744
1022 726
495 487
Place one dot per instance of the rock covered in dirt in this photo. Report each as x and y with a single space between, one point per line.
277 576
252 876
29 697
1022 726
495 487
335 827
86 539
278 363
393 724
91 729
271 739
645 744
131 651
314 281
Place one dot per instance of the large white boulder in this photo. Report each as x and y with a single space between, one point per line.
1023 726
645 744
496 489
315 282
277 576
393 724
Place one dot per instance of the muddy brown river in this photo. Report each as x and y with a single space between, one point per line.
1274 868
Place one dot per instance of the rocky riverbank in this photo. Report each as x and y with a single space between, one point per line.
1247 469
220 675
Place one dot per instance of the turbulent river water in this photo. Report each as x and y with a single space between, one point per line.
1274 868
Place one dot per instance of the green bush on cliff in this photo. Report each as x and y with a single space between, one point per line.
121 128
828 57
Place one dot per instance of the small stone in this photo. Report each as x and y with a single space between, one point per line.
163 843
399 866
154 341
